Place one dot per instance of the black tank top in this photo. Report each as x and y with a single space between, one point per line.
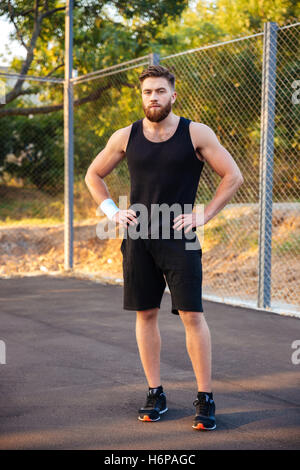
163 172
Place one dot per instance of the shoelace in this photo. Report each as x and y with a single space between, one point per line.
202 406
151 399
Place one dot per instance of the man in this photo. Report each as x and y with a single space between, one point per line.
165 155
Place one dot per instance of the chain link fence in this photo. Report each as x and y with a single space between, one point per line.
116 105
285 273
31 172
220 85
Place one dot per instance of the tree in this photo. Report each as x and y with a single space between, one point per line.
105 32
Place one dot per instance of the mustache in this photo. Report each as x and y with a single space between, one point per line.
161 114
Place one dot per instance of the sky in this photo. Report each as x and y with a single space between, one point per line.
16 49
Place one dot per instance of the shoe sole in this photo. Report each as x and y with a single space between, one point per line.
200 427
147 418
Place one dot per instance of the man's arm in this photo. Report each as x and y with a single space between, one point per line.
208 148
102 165
221 162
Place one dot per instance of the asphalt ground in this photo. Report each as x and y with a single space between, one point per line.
73 378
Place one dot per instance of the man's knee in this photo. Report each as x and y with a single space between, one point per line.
147 315
190 318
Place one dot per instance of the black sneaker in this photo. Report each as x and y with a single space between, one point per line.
155 406
205 413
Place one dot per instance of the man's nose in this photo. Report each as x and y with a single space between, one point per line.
153 97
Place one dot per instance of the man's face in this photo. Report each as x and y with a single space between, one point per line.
158 98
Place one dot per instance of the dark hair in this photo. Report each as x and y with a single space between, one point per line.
157 71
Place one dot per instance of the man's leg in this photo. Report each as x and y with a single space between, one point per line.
149 344
198 344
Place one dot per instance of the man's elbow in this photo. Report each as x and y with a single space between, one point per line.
236 179
88 177
240 179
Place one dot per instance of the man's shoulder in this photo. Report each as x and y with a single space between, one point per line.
123 131
199 126
200 132
121 136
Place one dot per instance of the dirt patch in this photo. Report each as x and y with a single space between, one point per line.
41 249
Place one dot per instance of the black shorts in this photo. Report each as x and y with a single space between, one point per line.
148 264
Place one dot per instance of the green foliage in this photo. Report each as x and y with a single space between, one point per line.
32 148
106 33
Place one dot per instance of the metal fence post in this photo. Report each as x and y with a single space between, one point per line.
154 58
267 163
68 138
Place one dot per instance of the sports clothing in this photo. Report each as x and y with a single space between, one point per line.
149 264
167 173
204 419
156 405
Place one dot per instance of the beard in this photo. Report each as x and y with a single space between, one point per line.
158 114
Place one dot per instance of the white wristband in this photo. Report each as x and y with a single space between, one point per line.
109 208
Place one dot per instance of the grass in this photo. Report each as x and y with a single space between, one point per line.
32 221
233 231
291 246
33 207
13 211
